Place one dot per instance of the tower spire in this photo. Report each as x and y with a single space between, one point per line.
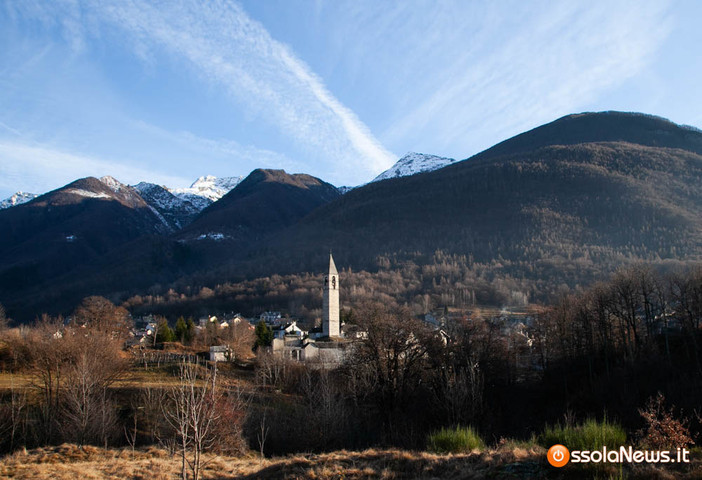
330 307
332 265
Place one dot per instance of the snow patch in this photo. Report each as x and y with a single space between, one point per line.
86 193
414 163
216 236
17 199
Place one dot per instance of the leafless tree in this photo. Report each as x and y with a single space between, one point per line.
263 429
99 314
323 396
192 413
48 352
92 365
239 338
392 358
13 416
3 318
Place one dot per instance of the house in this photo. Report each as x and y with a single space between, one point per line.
203 321
221 353
270 318
283 330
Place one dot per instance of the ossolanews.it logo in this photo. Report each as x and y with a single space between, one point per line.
559 456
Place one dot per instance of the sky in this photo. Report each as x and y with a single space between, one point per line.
167 91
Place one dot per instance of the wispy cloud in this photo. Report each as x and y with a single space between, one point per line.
222 150
557 60
38 169
226 47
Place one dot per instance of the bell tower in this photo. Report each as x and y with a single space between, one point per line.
330 303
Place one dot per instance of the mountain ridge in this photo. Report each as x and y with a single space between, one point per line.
563 205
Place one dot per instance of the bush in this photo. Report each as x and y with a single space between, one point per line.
590 435
455 440
663 430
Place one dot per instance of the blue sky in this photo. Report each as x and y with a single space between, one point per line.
169 91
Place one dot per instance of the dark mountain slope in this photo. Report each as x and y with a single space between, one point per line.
637 128
67 228
264 202
558 213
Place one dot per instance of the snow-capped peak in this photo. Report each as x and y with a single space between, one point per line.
210 187
17 199
206 190
413 163
112 183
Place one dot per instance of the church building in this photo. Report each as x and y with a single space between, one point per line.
330 302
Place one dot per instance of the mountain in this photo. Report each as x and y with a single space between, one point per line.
176 211
413 163
17 199
261 206
264 202
635 128
563 204
206 190
559 206
67 228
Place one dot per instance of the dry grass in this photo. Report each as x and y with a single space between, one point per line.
70 462
504 462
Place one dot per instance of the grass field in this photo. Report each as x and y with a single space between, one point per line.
68 462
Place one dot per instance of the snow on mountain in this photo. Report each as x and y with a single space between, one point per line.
206 190
113 184
87 193
413 163
17 199
177 211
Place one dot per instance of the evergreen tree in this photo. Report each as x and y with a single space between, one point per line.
264 335
181 330
190 331
165 333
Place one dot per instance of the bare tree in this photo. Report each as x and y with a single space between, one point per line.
3 318
13 417
48 355
324 394
192 413
99 314
263 429
239 338
93 364
392 358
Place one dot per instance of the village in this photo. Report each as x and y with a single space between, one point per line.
324 343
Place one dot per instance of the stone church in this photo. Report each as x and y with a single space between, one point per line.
326 346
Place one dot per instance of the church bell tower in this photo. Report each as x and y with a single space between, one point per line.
330 304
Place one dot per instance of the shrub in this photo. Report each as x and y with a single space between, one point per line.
663 431
590 435
455 440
